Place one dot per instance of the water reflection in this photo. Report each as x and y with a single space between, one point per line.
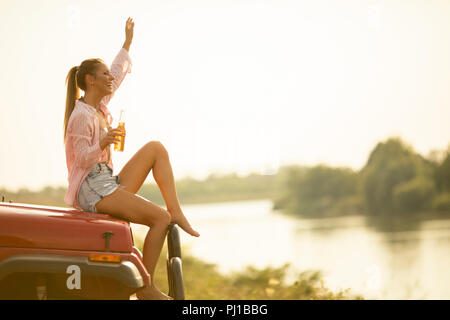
393 224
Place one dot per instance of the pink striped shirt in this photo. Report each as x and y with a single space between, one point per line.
82 138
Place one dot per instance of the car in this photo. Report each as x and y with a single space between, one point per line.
49 252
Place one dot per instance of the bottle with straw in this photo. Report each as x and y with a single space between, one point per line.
120 144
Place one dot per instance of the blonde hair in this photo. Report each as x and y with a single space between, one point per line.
75 81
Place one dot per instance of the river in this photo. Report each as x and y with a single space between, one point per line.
411 262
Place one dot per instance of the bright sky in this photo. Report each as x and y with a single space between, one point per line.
229 85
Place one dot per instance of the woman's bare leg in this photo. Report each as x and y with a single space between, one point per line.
163 174
153 244
130 207
155 156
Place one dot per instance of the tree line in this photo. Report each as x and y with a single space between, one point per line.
394 181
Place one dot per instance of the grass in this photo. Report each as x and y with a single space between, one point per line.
202 281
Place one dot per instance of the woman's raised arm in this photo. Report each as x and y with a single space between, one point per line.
121 64
129 28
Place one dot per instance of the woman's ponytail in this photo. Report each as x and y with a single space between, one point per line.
73 93
75 81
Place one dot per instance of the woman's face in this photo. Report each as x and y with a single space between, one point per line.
103 80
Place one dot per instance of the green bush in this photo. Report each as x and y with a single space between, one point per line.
441 202
351 205
414 195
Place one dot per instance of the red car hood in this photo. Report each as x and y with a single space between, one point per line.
33 226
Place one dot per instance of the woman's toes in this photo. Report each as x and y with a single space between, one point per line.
183 223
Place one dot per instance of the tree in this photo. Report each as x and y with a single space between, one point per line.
442 175
387 175
316 191
414 195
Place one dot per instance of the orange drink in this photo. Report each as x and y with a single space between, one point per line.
118 146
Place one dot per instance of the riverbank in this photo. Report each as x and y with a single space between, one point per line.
202 281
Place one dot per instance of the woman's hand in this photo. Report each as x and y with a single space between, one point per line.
129 28
111 137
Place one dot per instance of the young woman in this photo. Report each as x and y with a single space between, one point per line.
88 136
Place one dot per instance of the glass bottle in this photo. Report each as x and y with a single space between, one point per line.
118 146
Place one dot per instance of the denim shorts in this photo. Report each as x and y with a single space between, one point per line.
98 184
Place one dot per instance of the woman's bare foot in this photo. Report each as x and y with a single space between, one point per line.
179 218
152 293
